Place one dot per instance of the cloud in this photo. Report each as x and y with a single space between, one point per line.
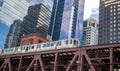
17 9
91 7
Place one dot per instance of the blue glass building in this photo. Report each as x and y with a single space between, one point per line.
1 3
65 14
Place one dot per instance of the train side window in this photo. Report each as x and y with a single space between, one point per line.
27 49
58 43
52 44
71 41
48 44
66 41
32 47
30 41
38 46
44 45
24 42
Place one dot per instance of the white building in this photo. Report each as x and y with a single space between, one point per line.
90 32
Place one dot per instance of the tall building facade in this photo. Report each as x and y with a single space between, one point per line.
90 32
37 20
109 21
14 35
65 14
1 2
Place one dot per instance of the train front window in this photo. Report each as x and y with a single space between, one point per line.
75 42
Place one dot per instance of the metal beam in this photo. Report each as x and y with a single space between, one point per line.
20 63
71 62
56 62
2 66
30 65
41 64
111 59
89 62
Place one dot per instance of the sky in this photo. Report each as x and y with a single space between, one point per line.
91 9
17 9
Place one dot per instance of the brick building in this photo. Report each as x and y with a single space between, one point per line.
32 39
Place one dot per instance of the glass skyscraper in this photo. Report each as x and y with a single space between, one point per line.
14 35
1 2
109 21
37 20
65 16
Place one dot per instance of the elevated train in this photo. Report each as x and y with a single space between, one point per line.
61 44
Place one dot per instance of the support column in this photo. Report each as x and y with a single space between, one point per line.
2 66
80 59
41 64
35 65
111 59
30 65
7 61
71 63
89 62
56 62
20 63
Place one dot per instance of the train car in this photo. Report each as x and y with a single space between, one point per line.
61 44
31 48
48 46
18 50
8 51
24 48
70 43
38 47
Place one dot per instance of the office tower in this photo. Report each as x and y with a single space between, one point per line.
37 20
1 2
90 32
14 35
109 21
65 14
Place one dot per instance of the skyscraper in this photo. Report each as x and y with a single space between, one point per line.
37 20
1 3
65 14
109 21
90 32
14 35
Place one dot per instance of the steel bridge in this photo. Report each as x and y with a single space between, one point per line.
89 58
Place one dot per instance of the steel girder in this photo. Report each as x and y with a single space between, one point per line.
90 58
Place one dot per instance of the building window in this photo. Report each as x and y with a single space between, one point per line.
39 41
24 42
30 41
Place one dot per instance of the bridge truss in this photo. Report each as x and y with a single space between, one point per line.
90 58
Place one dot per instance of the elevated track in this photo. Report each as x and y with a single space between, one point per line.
89 58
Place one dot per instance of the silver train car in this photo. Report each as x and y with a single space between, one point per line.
61 44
